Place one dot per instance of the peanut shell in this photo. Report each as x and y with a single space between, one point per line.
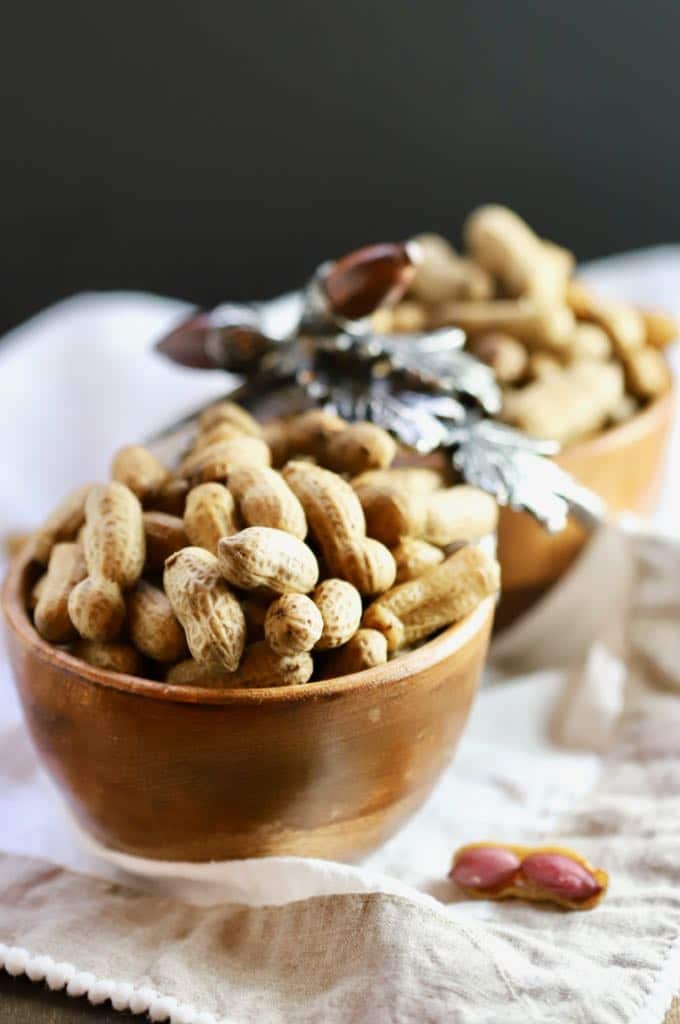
260 557
293 624
340 606
210 614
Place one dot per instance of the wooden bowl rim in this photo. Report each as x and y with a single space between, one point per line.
381 676
624 433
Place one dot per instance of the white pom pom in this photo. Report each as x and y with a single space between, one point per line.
99 992
16 960
142 998
38 967
59 975
162 1008
120 995
80 983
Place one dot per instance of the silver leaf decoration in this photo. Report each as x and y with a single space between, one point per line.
423 388
514 468
412 423
435 360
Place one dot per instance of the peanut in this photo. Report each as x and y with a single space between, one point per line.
154 630
309 433
190 673
647 373
507 248
560 876
413 557
439 597
624 324
211 615
111 657
62 524
340 606
115 548
484 868
442 274
441 518
408 317
219 432
392 514
216 461
275 433
460 513
506 356
172 496
229 412
80 535
589 342
113 540
265 499
660 329
209 515
580 299
500 871
534 325
382 321
35 592
66 568
542 366
568 404
96 607
624 410
365 649
261 667
164 534
336 519
411 479
269 560
139 470
357 448
293 623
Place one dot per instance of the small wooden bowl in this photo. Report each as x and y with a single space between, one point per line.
184 773
623 465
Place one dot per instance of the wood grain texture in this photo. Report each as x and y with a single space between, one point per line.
329 769
24 1002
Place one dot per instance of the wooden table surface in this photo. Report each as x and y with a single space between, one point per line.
25 1002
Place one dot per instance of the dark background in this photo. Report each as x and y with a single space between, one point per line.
215 150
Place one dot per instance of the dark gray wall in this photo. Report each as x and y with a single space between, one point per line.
212 149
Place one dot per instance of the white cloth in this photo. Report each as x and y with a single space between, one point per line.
79 381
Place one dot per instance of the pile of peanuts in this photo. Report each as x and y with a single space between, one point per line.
275 554
570 364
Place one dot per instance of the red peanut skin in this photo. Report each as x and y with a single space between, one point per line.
551 873
560 875
485 868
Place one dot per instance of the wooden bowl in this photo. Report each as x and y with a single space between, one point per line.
623 465
184 773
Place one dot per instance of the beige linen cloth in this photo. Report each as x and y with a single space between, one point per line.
579 744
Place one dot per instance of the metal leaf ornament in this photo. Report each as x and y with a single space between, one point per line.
424 388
